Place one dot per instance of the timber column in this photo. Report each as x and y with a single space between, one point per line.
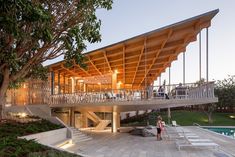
73 84
114 81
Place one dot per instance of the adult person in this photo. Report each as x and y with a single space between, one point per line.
161 92
159 128
181 91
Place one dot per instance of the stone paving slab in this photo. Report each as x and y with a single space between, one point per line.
108 144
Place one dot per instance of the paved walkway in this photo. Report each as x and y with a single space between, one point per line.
106 144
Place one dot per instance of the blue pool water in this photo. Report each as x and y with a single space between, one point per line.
224 131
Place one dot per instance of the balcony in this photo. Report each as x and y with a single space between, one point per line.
170 96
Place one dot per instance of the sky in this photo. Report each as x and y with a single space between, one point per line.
129 18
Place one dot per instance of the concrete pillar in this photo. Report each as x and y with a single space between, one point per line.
118 120
72 117
115 121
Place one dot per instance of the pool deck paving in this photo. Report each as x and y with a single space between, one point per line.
107 144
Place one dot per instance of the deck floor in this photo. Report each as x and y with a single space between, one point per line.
106 144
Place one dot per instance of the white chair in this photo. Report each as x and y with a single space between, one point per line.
197 144
174 123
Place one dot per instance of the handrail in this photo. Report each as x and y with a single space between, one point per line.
26 107
189 91
70 132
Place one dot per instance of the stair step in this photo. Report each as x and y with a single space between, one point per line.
78 133
82 140
79 136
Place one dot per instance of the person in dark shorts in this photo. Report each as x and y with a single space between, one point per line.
159 126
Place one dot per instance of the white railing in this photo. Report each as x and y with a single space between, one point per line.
202 91
187 91
91 97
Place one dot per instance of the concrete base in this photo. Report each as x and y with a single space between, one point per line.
49 137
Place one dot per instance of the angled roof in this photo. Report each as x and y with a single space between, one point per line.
141 59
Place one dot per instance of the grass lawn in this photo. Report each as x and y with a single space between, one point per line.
184 118
11 146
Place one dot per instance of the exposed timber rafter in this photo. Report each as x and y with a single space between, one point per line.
177 51
84 71
69 71
157 54
141 54
107 61
94 66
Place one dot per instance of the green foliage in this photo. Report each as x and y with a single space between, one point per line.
225 91
184 118
51 153
11 146
9 129
34 31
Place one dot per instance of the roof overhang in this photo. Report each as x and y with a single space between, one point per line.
141 59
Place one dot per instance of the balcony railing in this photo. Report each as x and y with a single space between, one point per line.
187 91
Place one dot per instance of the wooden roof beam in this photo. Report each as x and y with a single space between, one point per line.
157 54
106 58
142 52
83 70
181 47
69 71
94 66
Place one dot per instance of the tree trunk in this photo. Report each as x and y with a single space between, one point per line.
3 90
210 120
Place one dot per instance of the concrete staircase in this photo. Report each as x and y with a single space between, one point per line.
79 136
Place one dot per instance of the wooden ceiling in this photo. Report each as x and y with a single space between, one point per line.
141 59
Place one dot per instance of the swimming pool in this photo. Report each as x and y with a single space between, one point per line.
230 132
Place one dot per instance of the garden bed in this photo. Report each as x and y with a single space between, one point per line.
10 145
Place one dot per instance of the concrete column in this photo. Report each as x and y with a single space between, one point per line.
118 120
115 121
72 117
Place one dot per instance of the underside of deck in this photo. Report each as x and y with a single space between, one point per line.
123 106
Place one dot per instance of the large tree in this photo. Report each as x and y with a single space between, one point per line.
33 31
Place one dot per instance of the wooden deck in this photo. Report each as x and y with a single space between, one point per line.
106 144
